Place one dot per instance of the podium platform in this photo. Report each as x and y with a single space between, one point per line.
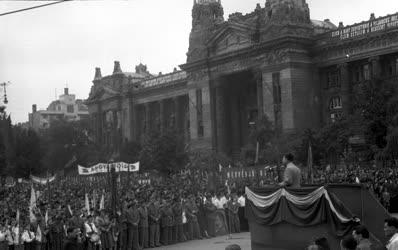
292 218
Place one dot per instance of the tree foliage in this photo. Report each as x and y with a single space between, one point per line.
161 152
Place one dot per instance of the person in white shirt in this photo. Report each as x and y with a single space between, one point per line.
92 233
242 201
28 237
15 235
391 233
3 235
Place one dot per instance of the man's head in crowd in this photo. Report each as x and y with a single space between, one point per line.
233 247
322 243
287 158
72 232
360 233
390 227
348 243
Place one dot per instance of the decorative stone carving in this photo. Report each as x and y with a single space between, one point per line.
198 75
276 57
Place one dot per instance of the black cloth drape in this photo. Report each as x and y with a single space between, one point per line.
283 210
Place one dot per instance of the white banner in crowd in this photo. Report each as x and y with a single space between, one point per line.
42 181
103 168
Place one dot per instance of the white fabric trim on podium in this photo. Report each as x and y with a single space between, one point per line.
266 201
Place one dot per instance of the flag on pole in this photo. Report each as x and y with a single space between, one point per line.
310 164
102 202
17 217
46 218
70 210
87 203
32 205
357 181
93 206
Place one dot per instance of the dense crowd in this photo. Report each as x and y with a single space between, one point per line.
383 182
169 210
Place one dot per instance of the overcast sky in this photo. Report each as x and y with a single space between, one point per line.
43 50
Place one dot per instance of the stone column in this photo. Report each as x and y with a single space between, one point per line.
220 117
162 116
258 77
134 125
345 88
177 114
147 118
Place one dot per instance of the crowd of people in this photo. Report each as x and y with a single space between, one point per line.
75 213
383 182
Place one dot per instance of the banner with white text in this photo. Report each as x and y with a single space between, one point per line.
104 168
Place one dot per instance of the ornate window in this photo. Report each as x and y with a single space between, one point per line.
335 103
70 108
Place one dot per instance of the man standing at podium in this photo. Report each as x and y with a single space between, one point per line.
292 174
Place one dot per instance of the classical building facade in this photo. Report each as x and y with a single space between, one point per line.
275 61
67 107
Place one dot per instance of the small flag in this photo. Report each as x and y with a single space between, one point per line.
32 205
70 210
357 181
102 202
87 203
17 217
46 218
219 168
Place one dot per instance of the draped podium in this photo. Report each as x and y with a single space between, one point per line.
289 219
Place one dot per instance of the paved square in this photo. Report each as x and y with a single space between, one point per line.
218 243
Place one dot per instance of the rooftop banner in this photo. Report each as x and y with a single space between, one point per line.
105 167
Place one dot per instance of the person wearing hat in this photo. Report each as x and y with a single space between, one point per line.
143 226
28 237
193 226
72 241
178 235
123 227
133 219
56 232
104 226
210 211
153 215
91 234
3 235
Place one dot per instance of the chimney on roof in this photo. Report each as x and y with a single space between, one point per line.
341 25
327 20
160 73
116 68
372 16
66 91
175 69
34 108
98 74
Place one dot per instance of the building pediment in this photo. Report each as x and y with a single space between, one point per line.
102 94
231 37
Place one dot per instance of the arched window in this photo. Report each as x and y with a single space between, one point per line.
335 103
